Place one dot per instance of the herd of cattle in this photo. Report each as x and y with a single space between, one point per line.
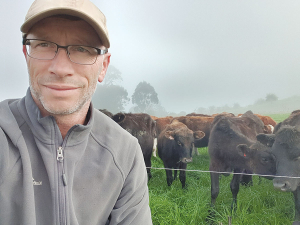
243 144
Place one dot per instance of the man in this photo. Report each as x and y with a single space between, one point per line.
61 161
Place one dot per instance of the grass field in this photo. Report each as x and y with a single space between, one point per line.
257 204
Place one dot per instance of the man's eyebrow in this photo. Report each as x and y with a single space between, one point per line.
39 36
75 40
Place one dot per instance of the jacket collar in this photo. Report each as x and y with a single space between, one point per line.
46 129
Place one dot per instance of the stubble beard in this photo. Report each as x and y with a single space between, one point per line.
87 96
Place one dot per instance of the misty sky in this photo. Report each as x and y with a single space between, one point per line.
195 53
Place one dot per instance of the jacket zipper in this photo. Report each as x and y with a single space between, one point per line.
61 184
62 180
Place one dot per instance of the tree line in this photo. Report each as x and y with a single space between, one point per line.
111 95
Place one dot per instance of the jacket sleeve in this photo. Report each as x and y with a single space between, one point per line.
8 156
132 206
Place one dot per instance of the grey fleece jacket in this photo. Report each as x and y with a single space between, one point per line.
96 175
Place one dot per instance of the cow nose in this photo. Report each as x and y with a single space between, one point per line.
187 160
281 185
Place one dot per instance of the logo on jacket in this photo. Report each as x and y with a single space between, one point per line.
36 182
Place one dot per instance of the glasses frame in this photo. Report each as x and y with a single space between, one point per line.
99 51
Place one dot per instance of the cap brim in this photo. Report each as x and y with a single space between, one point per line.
65 11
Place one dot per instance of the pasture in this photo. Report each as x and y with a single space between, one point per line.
257 204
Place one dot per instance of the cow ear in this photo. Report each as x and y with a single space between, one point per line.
169 135
266 139
119 117
243 150
199 134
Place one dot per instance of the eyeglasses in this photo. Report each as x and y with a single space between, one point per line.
47 50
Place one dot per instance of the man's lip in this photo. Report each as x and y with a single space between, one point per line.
61 87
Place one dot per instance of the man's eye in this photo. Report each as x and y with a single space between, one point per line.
80 49
43 44
40 45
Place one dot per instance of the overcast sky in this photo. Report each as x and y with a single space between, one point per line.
195 53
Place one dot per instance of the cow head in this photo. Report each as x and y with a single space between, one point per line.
183 142
119 117
286 149
268 129
258 158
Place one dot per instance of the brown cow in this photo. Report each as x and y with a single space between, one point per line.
141 126
197 114
224 114
161 124
226 134
268 122
154 117
195 123
175 145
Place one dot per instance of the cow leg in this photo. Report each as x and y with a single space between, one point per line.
182 176
195 151
154 147
175 173
246 180
297 205
214 179
169 176
235 186
148 164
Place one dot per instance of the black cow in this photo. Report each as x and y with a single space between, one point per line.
196 123
141 126
106 112
286 149
292 120
227 144
175 145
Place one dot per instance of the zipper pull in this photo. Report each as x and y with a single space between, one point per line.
60 156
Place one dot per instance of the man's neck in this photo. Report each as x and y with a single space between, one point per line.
65 122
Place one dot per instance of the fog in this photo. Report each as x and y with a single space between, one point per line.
194 53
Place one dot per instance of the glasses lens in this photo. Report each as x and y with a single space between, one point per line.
82 54
41 49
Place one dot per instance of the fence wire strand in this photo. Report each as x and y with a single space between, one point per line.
227 173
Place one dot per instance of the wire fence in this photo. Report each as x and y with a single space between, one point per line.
227 173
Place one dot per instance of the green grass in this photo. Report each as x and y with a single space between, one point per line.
257 204
279 117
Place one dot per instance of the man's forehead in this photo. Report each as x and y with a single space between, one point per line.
74 29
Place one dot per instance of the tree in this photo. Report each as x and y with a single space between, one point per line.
112 76
110 97
259 101
144 95
236 105
271 98
152 109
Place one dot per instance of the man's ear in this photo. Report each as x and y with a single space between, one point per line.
24 52
106 61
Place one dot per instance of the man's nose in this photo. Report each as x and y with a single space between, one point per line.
61 65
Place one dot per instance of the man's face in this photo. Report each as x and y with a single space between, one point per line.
59 86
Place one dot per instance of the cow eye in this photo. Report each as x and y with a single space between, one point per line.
264 159
179 143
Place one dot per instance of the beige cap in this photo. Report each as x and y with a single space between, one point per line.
83 9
